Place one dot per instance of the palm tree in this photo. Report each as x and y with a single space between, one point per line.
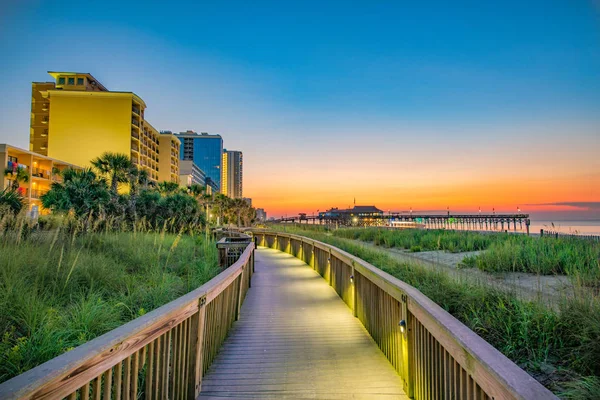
197 190
137 178
11 199
114 166
167 187
80 191
18 175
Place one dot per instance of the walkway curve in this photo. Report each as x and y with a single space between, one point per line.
297 339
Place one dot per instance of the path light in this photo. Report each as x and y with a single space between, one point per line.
351 278
402 325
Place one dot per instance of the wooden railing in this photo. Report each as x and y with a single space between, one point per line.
436 356
161 355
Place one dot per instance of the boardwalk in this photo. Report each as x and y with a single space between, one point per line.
297 339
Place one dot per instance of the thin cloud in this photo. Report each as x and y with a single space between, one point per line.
589 205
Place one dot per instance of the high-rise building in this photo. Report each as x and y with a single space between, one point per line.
261 214
30 173
76 119
190 174
168 160
225 174
206 151
232 174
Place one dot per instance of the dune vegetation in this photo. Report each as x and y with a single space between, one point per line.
60 288
576 258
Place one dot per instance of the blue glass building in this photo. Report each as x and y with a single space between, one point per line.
206 151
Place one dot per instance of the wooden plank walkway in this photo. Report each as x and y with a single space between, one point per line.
297 339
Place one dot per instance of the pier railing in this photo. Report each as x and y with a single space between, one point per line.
161 355
436 356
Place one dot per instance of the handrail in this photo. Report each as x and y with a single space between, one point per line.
436 355
176 343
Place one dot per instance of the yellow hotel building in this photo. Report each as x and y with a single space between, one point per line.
40 170
76 119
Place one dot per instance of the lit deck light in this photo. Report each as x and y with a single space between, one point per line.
351 278
402 325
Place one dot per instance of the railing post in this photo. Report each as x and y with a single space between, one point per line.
239 293
408 356
196 350
354 291
328 270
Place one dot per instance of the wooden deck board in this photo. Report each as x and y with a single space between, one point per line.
297 339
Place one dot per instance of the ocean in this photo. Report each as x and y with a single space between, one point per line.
585 227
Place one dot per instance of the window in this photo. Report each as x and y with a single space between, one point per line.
80 81
61 81
71 81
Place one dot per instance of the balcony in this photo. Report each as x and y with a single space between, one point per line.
135 134
135 110
45 120
45 106
40 173
135 122
37 193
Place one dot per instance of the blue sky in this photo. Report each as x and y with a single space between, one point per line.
307 77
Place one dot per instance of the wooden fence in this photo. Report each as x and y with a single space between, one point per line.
557 235
436 356
161 355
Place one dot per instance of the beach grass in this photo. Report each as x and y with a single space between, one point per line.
576 258
60 289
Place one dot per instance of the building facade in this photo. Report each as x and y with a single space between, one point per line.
206 151
168 160
77 119
31 174
190 174
261 214
232 174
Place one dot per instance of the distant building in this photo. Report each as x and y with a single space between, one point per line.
248 200
76 119
232 174
211 186
41 171
206 151
356 211
168 161
261 214
190 174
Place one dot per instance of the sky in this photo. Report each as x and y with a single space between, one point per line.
399 104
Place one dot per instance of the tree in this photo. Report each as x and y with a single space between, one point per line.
80 191
167 187
11 199
197 190
18 175
115 167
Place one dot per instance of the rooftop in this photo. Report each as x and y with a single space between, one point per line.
56 74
